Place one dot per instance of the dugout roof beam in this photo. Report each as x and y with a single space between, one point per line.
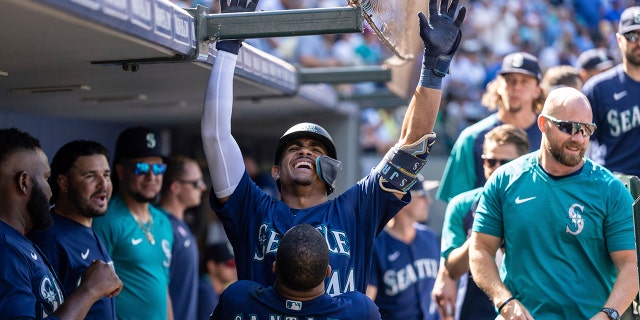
336 75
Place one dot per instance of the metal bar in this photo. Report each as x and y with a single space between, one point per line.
344 74
283 23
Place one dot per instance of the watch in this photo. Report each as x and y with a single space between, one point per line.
612 313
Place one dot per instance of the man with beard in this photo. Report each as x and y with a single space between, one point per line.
137 235
566 224
30 289
81 188
613 94
518 98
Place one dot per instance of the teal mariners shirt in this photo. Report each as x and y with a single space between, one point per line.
558 234
142 267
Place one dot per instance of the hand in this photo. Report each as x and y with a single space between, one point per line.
515 310
444 294
231 6
101 280
441 35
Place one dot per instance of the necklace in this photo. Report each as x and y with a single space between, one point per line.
146 229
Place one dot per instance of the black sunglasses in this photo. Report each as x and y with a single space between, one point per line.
571 127
142 168
492 161
631 36
195 183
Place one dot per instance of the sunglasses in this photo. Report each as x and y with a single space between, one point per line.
631 36
142 168
492 162
571 127
198 184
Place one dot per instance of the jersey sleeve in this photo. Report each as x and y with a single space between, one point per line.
459 173
488 218
453 230
16 298
618 225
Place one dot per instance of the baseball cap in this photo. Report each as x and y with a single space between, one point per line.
521 62
595 59
423 186
219 252
138 142
629 20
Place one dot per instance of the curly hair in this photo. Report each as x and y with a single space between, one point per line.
302 258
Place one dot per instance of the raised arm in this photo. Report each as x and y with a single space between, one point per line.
441 36
220 148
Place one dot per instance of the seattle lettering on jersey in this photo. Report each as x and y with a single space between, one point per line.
622 121
337 241
397 281
274 317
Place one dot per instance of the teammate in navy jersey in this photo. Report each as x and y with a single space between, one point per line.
566 224
305 169
182 187
405 261
30 289
302 264
501 145
81 187
615 99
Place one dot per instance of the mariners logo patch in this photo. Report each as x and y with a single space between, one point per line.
518 61
294 305
576 224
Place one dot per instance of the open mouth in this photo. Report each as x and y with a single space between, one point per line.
303 165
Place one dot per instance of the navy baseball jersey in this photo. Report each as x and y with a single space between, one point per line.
248 300
255 223
615 101
70 247
183 273
404 275
29 288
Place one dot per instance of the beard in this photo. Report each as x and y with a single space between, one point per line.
83 206
569 160
38 208
632 58
139 197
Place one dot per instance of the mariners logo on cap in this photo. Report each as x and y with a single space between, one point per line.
518 61
636 17
294 305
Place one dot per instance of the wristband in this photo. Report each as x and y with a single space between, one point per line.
429 79
505 303
231 46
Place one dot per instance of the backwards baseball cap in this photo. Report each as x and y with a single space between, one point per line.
629 20
138 142
521 62
595 59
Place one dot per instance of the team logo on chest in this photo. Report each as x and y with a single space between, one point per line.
576 223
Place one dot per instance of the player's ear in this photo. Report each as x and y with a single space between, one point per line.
63 183
275 172
273 267
23 181
328 274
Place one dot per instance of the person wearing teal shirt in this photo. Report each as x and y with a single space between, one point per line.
518 98
566 224
138 235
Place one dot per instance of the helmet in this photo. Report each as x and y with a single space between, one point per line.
306 130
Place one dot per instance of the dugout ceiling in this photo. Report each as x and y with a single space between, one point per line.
63 58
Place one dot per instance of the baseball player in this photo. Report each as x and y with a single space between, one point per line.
613 95
566 224
405 262
81 189
306 165
298 292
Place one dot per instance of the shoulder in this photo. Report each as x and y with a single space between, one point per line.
476 129
603 80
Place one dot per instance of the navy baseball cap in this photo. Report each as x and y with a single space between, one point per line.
422 185
138 142
595 59
629 20
219 252
521 62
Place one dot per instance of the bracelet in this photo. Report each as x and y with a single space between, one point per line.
504 304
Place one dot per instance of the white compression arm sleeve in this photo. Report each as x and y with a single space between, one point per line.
220 148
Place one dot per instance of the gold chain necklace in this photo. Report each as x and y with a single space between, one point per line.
146 229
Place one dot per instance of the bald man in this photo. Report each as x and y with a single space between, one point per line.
566 223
